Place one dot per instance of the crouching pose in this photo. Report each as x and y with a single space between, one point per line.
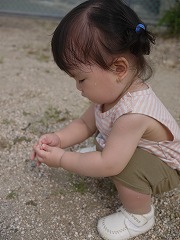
102 45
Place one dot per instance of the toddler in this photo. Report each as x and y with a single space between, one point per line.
102 45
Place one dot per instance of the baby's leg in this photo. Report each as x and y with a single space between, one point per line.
133 201
144 175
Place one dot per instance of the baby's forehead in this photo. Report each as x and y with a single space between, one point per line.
74 72
80 69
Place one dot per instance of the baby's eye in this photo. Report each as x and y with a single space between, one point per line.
81 81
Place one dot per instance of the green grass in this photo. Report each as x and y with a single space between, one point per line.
26 113
12 195
80 187
4 143
78 183
50 117
31 203
171 19
7 121
21 139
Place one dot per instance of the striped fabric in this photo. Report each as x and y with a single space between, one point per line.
143 102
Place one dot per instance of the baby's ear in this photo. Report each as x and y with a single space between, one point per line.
120 66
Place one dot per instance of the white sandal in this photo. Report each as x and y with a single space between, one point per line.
123 225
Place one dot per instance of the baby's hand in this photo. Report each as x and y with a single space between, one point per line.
50 139
51 156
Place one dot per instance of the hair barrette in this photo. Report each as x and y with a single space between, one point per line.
139 27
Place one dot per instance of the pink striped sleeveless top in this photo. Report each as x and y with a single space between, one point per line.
143 102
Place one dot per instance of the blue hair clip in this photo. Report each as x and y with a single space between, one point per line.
139 27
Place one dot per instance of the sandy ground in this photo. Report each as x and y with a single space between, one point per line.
35 97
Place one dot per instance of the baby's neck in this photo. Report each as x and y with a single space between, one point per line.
137 85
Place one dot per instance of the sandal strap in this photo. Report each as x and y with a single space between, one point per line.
137 220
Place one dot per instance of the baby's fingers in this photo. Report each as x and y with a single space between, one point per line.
40 153
33 155
46 148
45 139
39 161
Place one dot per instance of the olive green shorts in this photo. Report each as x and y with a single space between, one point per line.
148 174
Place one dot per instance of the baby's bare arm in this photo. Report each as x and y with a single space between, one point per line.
120 146
78 130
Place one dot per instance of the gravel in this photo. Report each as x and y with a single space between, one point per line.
35 97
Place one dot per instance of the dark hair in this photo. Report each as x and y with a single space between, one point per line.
96 31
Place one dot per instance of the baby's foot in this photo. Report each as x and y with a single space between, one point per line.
123 225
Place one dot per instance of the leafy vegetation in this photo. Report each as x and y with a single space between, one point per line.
171 19
12 195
